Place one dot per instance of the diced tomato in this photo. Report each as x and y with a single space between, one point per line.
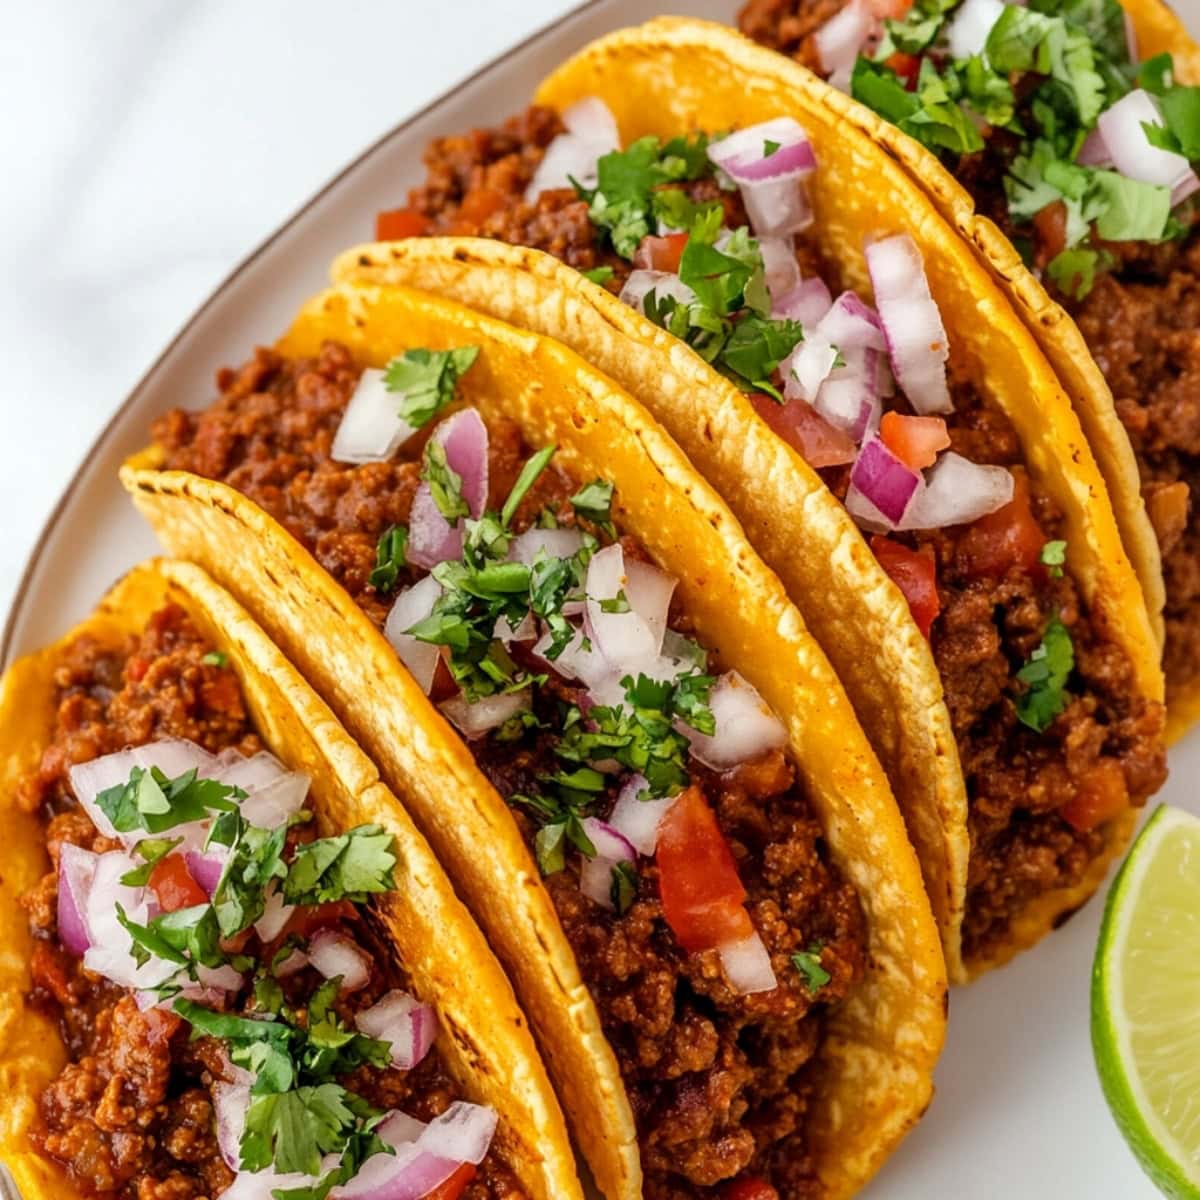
48 969
697 878
479 204
307 919
1101 795
892 9
136 668
660 253
399 223
453 1187
173 885
1009 537
750 1188
803 428
443 686
1050 225
906 66
915 575
915 441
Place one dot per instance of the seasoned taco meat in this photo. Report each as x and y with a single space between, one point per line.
130 1115
1141 322
719 1082
1038 800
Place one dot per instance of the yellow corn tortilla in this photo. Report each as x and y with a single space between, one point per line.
878 1055
672 76
483 1036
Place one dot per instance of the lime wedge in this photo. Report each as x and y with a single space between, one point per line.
1146 1001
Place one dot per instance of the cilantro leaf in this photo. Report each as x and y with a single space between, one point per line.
155 803
151 850
1074 270
215 658
294 1130
351 866
624 887
1045 675
391 557
256 859
755 349
593 502
426 380
445 484
808 963
527 478
598 275
1053 556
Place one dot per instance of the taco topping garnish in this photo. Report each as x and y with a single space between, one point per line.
677 842
235 1024
1084 156
902 433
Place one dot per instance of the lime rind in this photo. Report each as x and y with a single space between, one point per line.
1148 1136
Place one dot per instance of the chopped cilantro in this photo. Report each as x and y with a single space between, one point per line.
445 484
527 478
351 866
769 147
1180 131
215 658
1045 675
150 850
426 380
1074 270
1053 556
600 275
624 888
616 604
391 557
256 858
593 502
755 349
155 803
808 963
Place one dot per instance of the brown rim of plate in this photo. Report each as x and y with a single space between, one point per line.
21 592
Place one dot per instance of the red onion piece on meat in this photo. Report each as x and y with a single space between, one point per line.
402 1021
958 491
475 718
971 25
231 1102
1131 150
412 605
839 40
292 965
747 965
807 367
206 868
109 953
662 283
432 539
596 874
76 871
1094 151
745 727
882 478
398 1127
410 1174
630 638
554 543
771 184
807 303
333 953
609 842
276 915
637 820
780 269
912 324
526 630
852 324
462 1133
591 133
371 429
262 1185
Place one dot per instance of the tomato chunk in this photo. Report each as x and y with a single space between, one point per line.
399 223
893 9
1101 795
660 253
915 441
173 885
479 204
1050 226
750 1188
1009 537
915 574
906 66
697 877
806 431
453 1187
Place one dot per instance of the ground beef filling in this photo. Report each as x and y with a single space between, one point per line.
1141 322
718 1081
1018 780
130 1115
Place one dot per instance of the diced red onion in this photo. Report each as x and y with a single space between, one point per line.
595 881
262 1185
207 997
912 324
1094 151
958 491
412 605
807 303
475 718
745 727
743 155
591 133
747 966
609 843
76 870
462 1133
865 514
231 1102
662 283
839 40
807 367
556 543
852 324
402 1021
276 915
409 1174
109 952
206 868
333 953
627 638
1130 148
972 23
882 478
575 662
398 1127
780 269
849 398
637 820
431 538
270 806
526 630
371 429
250 773
225 978
649 592
292 965
1187 186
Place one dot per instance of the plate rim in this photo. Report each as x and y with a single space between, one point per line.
25 582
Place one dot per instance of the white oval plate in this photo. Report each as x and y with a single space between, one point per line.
1019 1110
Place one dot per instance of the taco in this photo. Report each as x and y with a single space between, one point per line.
232 967
991 634
1084 220
657 802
